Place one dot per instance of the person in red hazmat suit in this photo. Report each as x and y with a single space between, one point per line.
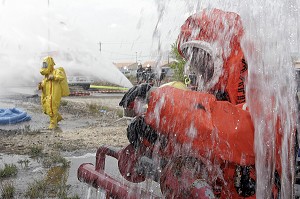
212 125
53 86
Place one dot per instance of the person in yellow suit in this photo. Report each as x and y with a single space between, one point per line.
52 90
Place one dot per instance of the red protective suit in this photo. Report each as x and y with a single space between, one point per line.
220 131
223 31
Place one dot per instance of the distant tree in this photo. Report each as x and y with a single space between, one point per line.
179 63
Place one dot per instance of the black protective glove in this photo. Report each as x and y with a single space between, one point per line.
136 91
138 130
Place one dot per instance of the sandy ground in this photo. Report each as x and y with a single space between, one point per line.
89 122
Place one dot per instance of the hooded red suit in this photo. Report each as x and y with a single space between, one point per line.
220 131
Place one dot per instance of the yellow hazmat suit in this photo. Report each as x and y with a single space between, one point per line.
51 90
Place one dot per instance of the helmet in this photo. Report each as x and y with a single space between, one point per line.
139 65
207 46
148 67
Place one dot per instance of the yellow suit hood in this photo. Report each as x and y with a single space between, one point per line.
50 66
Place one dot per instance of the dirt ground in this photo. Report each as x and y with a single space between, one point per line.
89 122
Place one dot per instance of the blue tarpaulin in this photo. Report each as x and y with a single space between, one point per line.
13 116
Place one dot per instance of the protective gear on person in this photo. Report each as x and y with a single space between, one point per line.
191 81
216 52
148 68
50 77
40 86
45 65
138 130
216 131
244 184
207 115
49 63
201 63
51 91
139 91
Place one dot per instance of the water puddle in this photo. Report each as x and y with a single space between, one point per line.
31 170
111 169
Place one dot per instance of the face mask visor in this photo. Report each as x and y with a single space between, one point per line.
200 63
45 65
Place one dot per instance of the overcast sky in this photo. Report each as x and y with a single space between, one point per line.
129 31
125 28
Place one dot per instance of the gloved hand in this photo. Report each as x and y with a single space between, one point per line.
136 91
138 130
40 87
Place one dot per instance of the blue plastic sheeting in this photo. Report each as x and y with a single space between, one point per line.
13 116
